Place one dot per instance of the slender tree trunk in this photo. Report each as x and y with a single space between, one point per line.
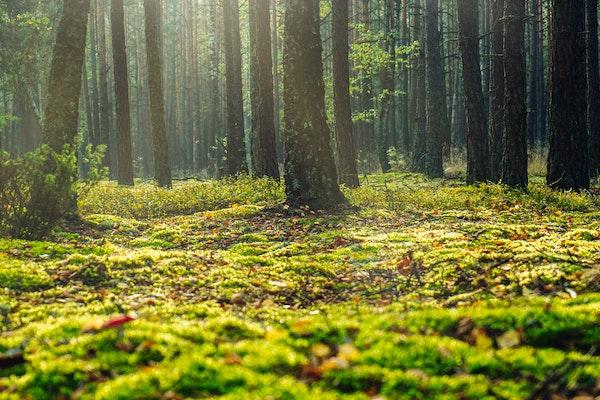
593 75
419 104
496 90
276 78
162 167
387 129
514 162
311 177
341 95
125 147
437 120
104 109
264 151
478 169
568 166
236 153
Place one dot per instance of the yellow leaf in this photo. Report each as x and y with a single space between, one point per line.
348 352
320 350
509 340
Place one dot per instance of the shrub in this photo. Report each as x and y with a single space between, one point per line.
35 191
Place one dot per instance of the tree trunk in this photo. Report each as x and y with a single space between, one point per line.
437 120
62 111
311 177
162 167
264 150
125 150
419 103
496 90
568 166
104 109
477 135
593 75
236 153
514 161
341 95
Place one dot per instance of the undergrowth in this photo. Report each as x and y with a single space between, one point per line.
425 290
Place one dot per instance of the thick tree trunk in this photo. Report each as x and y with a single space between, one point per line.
496 112
236 153
437 120
593 75
162 166
310 174
478 169
514 162
341 95
264 151
568 166
125 148
62 111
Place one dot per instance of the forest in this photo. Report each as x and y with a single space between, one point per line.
299 199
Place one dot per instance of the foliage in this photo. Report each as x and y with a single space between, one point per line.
35 191
430 290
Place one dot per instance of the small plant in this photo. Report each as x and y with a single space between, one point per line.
35 191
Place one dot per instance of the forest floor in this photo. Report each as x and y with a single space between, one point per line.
423 290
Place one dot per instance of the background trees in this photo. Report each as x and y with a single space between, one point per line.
396 93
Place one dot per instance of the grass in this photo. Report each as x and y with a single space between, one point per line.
427 290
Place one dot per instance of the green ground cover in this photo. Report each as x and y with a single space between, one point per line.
422 290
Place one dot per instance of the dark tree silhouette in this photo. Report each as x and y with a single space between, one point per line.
514 159
496 112
125 150
236 149
264 151
568 166
160 147
478 168
310 173
341 93
593 75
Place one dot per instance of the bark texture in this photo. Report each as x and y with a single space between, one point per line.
568 166
125 148
341 95
310 173
514 159
160 147
264 149
478 169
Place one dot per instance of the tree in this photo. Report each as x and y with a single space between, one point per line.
104 109
496 112
160 147
568 166
418 104
310 174
236 153
341 94
437 120
125 150
514 159
593 93
62 110
478 169
264 151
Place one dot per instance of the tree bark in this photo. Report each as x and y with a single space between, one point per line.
311 177
593 94
496 112
568 167
437 120
477 135
104 107
62 111
514 161
236 153
341 95
264 150
125 147
162 167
